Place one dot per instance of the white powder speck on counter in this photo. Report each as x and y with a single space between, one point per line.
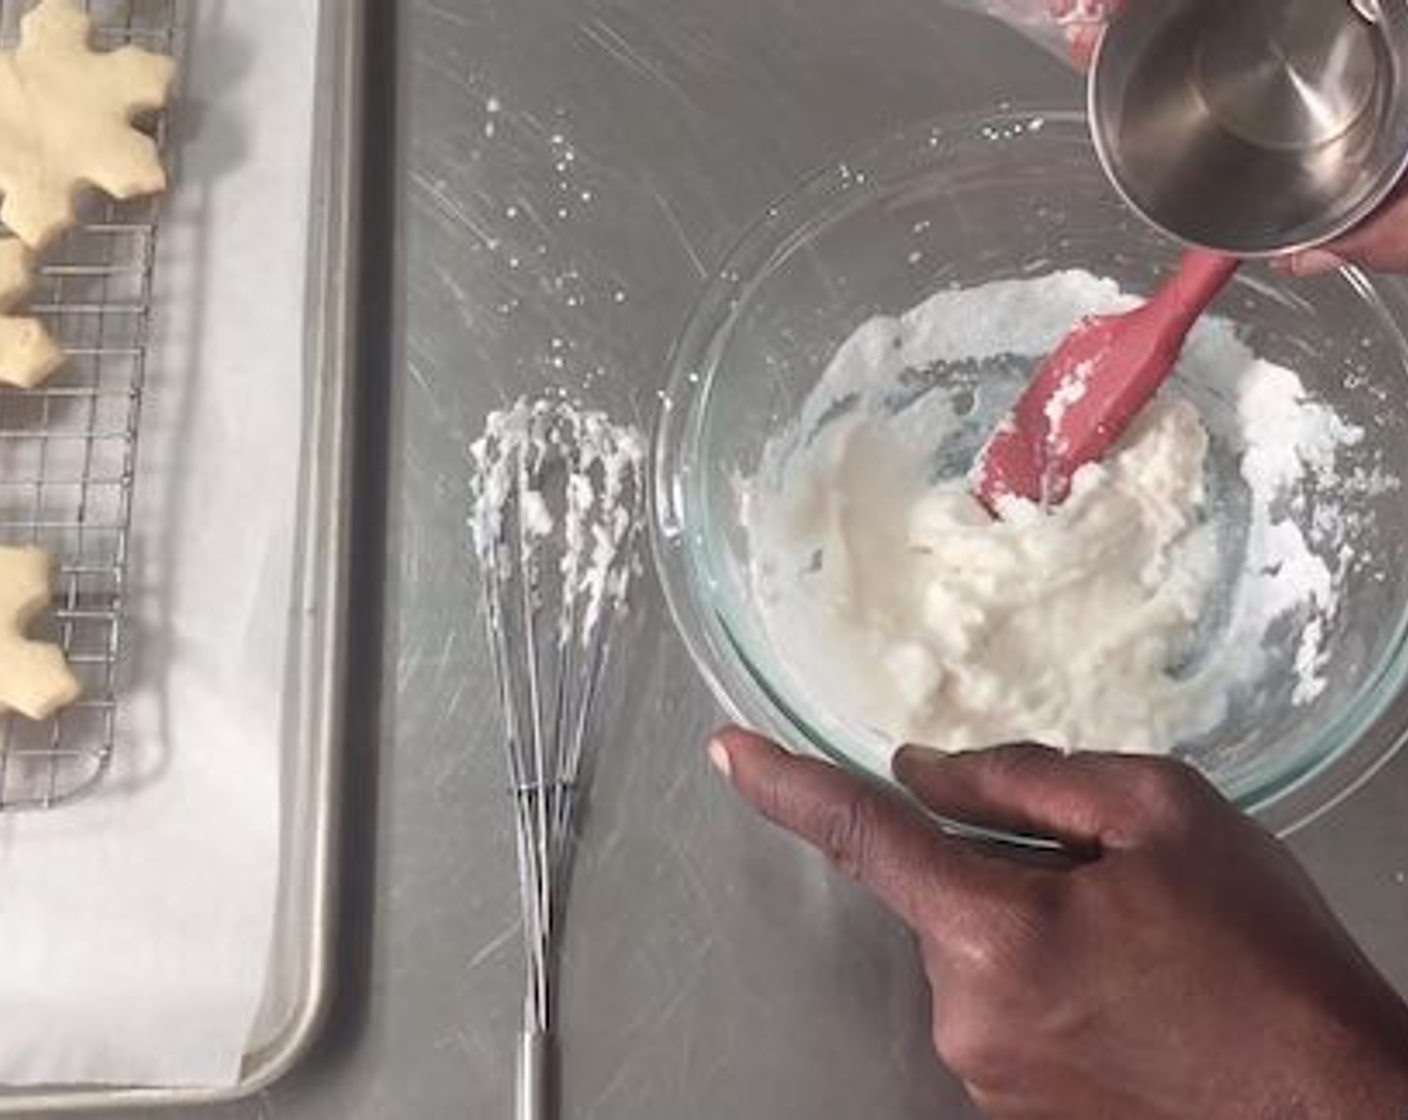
1203 558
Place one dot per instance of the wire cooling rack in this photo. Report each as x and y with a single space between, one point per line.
68 449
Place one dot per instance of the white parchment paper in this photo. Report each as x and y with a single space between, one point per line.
135 927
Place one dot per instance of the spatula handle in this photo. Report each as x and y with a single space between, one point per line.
1200 277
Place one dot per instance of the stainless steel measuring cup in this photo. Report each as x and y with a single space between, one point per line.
1253 127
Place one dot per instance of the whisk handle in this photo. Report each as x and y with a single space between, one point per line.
535 1099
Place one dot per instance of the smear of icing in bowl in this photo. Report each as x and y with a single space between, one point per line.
1190 583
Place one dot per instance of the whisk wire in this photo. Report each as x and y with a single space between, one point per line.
505 677
558 496
599 658
539 851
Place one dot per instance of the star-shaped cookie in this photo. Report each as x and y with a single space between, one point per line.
66 121
34 678
28 353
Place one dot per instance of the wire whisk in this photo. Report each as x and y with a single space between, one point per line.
558 495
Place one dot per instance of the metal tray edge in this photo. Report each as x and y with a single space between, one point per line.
322 580
334 283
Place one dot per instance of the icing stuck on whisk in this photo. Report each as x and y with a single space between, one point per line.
556 484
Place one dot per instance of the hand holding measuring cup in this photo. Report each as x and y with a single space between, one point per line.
1335 50
1307 172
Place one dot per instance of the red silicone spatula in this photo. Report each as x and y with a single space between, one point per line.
1089 391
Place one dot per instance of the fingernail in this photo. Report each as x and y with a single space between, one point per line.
1315 262
719 757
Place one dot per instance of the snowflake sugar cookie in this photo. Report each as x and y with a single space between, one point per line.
65 121
34 678
28 354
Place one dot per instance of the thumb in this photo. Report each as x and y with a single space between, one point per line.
1380 245
930 880
1088 802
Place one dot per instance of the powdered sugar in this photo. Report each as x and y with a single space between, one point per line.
1075 383
1289 442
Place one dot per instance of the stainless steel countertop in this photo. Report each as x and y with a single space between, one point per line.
713 969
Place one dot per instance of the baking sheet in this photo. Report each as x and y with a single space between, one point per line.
137 924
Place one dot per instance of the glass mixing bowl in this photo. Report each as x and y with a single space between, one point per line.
962 202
